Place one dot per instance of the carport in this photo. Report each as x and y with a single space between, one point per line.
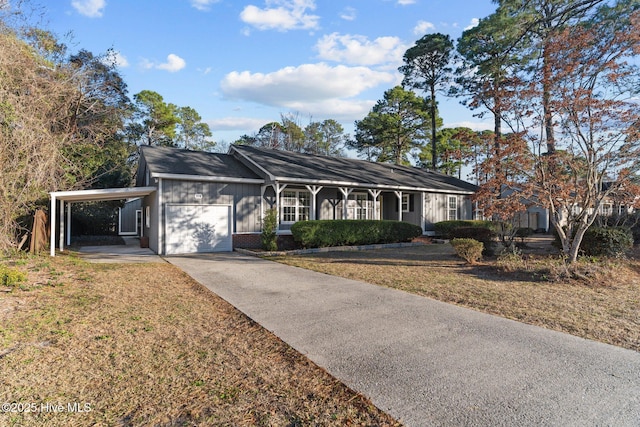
66 198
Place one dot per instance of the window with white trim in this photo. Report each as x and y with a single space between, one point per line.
607 210
452 213
147 216
358 206
295 205
406 202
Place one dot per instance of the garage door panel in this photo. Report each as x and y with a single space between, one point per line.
198 228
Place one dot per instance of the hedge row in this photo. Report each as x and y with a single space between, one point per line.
444 228
324 233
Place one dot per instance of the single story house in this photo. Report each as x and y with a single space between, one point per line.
206 202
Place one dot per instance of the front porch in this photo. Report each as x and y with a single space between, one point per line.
295 202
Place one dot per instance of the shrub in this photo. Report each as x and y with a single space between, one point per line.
444 228
468 249
10 277
268 237
524 232
607 241
324 233
481 234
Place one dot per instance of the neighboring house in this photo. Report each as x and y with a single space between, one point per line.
208 202
537 217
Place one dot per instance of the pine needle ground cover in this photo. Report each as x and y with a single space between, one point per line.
143 344
600 300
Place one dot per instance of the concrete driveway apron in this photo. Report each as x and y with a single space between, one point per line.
425 362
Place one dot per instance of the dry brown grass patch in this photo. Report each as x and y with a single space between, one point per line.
144 344
598 301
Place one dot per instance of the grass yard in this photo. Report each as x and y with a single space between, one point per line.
143 344
603 304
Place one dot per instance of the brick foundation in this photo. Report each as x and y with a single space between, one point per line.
253 241
247 241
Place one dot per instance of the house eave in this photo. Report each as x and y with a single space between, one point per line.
205 178
331 183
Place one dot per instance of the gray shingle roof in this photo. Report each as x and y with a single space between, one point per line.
285 165
245 162
167 160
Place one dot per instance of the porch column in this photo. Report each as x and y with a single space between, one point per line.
52 220
399 196
375 194
345 198
277 187
314 190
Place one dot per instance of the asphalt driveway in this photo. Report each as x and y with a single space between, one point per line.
425 362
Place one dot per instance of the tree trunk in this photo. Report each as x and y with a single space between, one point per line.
546 101
434 150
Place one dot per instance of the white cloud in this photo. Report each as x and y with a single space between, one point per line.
203 5
114 58
348 14
245 124
423 27
476 126
300 88
281 15
358 50
474 22
121 60
174 63
90 8
406 2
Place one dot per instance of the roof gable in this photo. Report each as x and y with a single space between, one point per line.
173 161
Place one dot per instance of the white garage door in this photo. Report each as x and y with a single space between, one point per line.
197 228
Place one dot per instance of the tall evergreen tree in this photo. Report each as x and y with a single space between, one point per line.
395 126
427 68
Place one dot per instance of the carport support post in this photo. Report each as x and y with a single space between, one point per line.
68 223
52 232
61 235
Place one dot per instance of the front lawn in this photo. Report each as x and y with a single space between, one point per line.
143 344
600 302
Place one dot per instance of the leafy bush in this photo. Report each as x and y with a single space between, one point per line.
324 233
606 241
269 237
468 249
10 277
524 232
444 228
481 234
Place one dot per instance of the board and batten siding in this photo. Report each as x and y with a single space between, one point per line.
244 198
436 208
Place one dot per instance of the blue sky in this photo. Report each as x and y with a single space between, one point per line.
244 63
